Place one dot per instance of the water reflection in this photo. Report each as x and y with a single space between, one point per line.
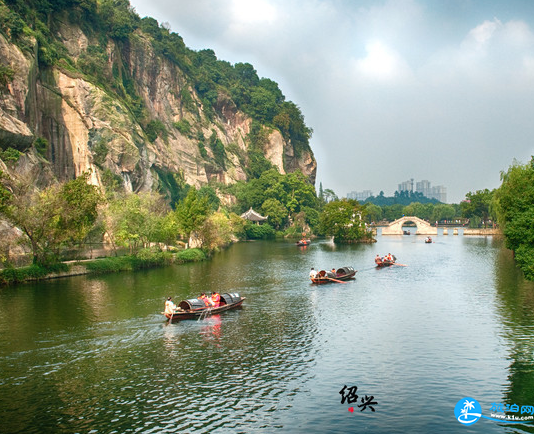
516 307
101 357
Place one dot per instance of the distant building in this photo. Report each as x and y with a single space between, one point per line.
406 185
359 195
424 187
438 192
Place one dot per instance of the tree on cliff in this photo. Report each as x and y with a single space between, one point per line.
59 216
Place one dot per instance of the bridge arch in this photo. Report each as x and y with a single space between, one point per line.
423 228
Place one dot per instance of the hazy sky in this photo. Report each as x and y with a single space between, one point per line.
438 89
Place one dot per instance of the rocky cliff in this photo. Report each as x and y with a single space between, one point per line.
59 115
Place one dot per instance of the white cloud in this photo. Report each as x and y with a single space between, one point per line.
447 80
381 64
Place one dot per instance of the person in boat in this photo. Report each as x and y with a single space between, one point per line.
313 273
389 257
333 271
378 259
170 307
215 299
205 299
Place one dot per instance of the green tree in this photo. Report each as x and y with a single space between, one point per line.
513 203
59 216
276 212
135 220
344 220
477 204
192 212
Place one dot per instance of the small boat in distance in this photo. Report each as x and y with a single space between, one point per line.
195 307
385 261
343 273
303 242
428 240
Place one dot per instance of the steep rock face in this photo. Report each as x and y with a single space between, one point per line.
88 129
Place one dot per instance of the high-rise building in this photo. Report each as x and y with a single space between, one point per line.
406 185
360 195
424 187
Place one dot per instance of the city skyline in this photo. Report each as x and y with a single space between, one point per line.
424 187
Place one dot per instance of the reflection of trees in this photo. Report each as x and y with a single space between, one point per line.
516 302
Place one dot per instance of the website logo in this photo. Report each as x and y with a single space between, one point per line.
467 411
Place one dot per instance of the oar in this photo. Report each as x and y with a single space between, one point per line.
400 265
335 280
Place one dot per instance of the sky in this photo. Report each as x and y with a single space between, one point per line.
441 90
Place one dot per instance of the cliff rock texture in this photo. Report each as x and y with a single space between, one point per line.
83 126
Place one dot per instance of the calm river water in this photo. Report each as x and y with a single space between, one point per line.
94 354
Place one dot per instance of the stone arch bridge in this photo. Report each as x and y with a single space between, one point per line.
423 228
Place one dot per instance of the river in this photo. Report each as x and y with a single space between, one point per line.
454 321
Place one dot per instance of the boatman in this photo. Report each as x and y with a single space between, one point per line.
205 299
313 273
170 307
215 299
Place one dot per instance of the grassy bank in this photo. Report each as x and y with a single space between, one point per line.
141 260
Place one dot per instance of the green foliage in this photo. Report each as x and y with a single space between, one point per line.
513 203
344 220
477 204
135 220
184 127
111 182
276 212
259 232
191 255
41 146
209 192
100 151
10 155
219 153
6 75
32 272
173 185
403 198
192 212
62 215
202 150
154 129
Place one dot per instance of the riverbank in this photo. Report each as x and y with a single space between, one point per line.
141 260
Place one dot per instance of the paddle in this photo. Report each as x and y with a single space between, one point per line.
335 280
400 265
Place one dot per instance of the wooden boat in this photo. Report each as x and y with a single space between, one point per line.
428 240
384 262
343 273
303 242
195 307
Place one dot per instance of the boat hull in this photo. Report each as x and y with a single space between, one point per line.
323 277
202 312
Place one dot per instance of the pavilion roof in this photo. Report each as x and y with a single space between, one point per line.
253 216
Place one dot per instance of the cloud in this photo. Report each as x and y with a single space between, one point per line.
400 89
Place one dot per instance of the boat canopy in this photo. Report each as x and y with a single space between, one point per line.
345 270
197 303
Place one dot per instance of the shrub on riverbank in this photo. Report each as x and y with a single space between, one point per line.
258 232
145 258
32 272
